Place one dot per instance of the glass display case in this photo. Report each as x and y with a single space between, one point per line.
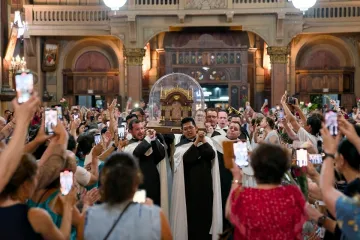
172 98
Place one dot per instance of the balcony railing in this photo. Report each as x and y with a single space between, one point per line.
334 10
47 14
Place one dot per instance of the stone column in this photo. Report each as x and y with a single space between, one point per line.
278 59
134 59
7 93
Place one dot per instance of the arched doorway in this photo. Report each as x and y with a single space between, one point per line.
92 79
325 69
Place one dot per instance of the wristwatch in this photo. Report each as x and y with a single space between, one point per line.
321 221
329 155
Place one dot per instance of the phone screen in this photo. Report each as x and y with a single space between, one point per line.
301 157
315 158
281 115
59 112
76 116
97 139
266 101
121 132
24 86
66 182
331 122
124 124
140 196
241 154
51 118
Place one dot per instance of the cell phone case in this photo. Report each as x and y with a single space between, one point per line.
228 148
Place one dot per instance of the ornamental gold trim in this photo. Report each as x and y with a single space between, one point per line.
134 56
278 54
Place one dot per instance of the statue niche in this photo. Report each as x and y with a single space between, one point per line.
176 104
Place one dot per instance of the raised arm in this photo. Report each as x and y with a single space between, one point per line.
289 116
327 178
11 156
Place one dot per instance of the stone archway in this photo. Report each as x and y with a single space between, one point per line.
324 65
91 68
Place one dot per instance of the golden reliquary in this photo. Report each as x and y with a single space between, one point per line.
176 104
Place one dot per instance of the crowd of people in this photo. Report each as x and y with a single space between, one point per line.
104 174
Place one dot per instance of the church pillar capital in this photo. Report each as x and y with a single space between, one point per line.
134 56
278 54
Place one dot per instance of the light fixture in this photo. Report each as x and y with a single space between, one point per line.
115 5
136 105
17 64
22 26
303 5
217 88
206 68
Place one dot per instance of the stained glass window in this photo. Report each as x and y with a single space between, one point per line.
174 58
217 75
193 58
238 58
187 58
212 58
199 58
232 58
218 58
181 58
197 75
225 58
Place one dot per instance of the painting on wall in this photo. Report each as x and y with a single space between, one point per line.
50 56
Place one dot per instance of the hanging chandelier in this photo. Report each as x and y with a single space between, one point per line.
303 5
22 26
115 5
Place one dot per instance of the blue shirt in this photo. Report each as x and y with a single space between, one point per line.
348 216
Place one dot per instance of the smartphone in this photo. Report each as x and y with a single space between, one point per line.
281 115
266 101
337 103
24 86
291 100
108 123
97 138
315 159
121 132
66 182
241 154
331 122
76 116
92 118
59 112
51 118
301 157
124 124
139 196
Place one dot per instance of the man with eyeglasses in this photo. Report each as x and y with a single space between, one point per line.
196 185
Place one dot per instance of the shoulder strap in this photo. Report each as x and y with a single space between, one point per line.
116 221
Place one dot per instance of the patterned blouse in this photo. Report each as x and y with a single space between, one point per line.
273 214
348 216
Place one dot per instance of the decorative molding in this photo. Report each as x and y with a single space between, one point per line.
132 28
205 4
229 16
134 56
278 54
181 18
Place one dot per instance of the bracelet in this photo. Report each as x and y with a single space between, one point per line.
235 181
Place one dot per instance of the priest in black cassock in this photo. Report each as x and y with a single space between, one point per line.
150 152
196 195
226 177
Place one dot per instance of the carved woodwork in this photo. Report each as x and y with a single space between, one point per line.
101 83
176 104
315 81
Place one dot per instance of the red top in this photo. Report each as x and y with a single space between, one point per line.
274 214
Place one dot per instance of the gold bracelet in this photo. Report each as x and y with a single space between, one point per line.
235 181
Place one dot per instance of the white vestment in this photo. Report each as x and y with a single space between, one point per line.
162 168
178 214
